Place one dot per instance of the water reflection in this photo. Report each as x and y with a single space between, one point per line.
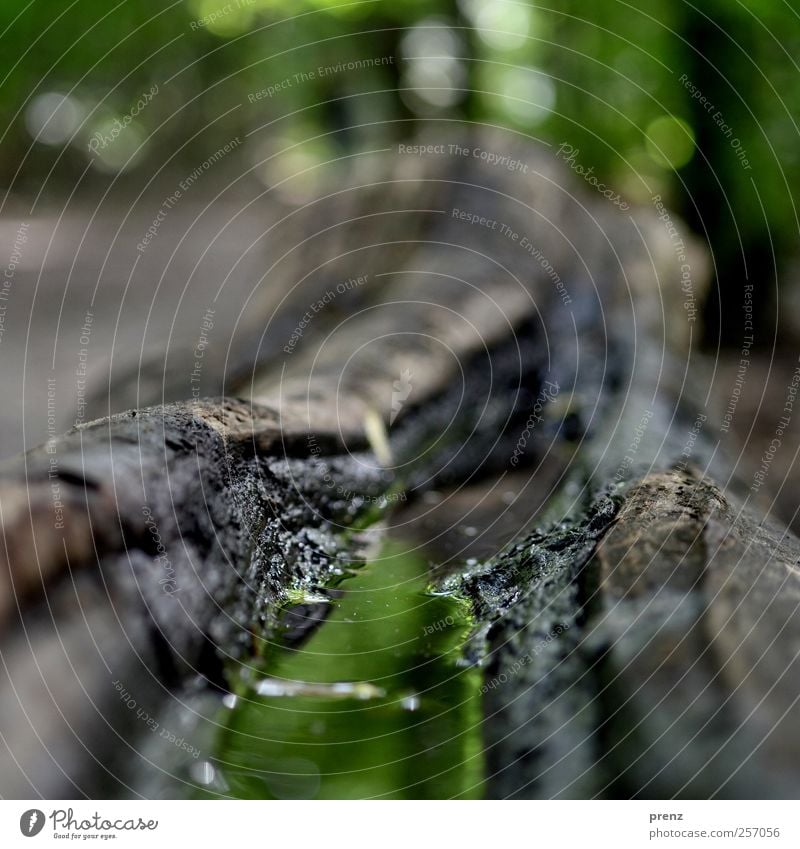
375 703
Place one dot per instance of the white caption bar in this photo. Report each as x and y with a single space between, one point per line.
352 825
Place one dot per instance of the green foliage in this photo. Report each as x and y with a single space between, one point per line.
694 102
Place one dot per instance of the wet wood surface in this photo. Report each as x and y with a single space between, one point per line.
635 621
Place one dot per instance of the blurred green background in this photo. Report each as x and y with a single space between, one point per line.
697 103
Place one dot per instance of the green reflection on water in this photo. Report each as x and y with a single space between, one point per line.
408 728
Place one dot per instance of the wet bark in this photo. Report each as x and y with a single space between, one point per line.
641 641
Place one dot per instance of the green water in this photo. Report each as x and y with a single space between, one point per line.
375 704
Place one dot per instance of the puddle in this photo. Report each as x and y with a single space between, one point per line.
375 702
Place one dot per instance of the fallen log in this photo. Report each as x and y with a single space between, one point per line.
509 321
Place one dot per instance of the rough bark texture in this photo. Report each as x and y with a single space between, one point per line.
648 648
643 641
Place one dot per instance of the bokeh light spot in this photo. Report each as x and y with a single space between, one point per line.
670 141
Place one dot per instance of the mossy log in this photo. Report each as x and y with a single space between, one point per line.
643 640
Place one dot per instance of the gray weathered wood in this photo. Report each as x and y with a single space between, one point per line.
643 641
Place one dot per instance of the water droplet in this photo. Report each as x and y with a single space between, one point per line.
274 687
202 772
